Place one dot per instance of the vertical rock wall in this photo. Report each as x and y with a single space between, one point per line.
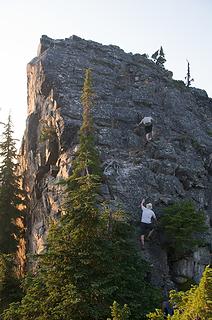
176 165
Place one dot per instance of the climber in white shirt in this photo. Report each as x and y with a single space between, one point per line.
147 215
147 121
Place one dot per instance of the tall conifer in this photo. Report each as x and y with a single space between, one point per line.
10 199
87 265
9 191
9 283
188 78
159 57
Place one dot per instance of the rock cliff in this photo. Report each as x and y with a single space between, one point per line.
177 164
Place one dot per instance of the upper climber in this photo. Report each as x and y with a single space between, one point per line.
148 124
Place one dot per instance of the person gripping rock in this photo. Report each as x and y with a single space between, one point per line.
148 126
147 215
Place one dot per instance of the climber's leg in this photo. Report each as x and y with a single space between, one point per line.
150 233
148 131
142 241
143 232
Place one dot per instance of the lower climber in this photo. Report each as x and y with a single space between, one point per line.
167 309
146 221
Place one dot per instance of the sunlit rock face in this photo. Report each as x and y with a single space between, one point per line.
176 165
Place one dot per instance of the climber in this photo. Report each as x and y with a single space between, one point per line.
147 121
146 221
167 308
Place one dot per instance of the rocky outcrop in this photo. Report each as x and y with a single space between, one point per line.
177 164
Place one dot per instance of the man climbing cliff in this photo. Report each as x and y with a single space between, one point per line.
148 124
147 215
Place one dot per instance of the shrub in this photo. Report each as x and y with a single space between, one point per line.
193 304
209 132
156 315
119 313
182 225
179 84
47 132
9 283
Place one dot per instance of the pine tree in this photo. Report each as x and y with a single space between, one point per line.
10 199
188 75
159 57
155 55
10 192
9 283
87 265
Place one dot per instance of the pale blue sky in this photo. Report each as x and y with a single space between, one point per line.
182 27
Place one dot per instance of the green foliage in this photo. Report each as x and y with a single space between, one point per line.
81 274
10 193
47 132
188 76
196 145
12 313
9 284
194 304
119 313
10 201
186 285
155 55
128 269
183 140
182 225
179 84
209 132
31 306
144 55
156 315
91 259
159 57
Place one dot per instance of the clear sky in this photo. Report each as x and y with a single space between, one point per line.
182 27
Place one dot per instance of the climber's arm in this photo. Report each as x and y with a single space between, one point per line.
140 123
142 203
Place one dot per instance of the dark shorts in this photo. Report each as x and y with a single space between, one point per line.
148 129
146 228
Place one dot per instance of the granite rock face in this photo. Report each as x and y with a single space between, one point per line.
176 165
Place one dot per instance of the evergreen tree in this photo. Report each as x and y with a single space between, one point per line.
159 57
9 283
10 199
188 75
155 55
87 265
10 194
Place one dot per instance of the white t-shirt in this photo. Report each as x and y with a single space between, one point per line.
146 215
146 120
